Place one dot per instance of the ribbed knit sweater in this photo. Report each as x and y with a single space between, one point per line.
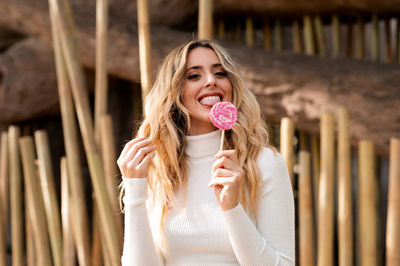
198 232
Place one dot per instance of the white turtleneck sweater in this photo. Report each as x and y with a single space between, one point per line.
198 232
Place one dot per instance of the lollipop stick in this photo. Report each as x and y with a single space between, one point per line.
222 141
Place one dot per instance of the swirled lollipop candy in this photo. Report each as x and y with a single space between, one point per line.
224 116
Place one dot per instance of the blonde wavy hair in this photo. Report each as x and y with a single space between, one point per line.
166 122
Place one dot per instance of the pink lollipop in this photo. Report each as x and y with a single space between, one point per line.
224 116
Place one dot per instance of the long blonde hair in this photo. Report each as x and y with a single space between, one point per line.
166 122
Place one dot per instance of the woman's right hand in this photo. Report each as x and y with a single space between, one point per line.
135 158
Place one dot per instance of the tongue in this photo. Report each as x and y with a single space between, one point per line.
210 101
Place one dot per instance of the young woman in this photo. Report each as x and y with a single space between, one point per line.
186 202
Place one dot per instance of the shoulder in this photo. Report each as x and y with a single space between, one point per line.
272 166
271 160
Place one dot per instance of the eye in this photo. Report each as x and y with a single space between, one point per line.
193 76
221 74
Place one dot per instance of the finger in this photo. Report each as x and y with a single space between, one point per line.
224 162
141 154
147 159
221 181
221 172
129 145
227 153
135 148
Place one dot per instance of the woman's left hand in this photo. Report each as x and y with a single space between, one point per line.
227 177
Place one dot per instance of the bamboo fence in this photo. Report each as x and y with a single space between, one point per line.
58 233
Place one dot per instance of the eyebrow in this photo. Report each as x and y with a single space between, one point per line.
199 67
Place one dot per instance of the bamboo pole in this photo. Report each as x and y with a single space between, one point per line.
398 40
31 258
349 47
205 21
306 224
144 47
69 254
296 35
36 210
375 38
49 194
221 29
3 197
388 39
303 141
16 210
96 257
360 46
315 156
335 35
81 234
393 214
278 36
101 85
367 198
308 35
110 168
345 210
319 32
249 32
325 202
267 36
101 95
287 146
75 73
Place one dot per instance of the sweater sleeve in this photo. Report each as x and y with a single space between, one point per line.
139 247
271 241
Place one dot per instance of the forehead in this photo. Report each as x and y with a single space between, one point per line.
202 56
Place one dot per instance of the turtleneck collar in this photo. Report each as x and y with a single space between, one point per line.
205 145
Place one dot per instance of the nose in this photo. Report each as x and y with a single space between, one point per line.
211 80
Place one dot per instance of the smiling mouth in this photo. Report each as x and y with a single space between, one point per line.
210 100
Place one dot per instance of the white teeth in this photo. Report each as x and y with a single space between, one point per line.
210 98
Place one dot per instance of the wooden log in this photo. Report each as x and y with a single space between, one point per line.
360 46
144 47
36 211
81 232
319 33
335 36
393 214
315 156
205 22
349 41
326 186
287 146
308 35
69 255
345 199
306 223
16 197
278 36
221 29
4 188
296 36
249 32
375 38
267 36
367 200
74 70
101 85
52 210
388 41
111 171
